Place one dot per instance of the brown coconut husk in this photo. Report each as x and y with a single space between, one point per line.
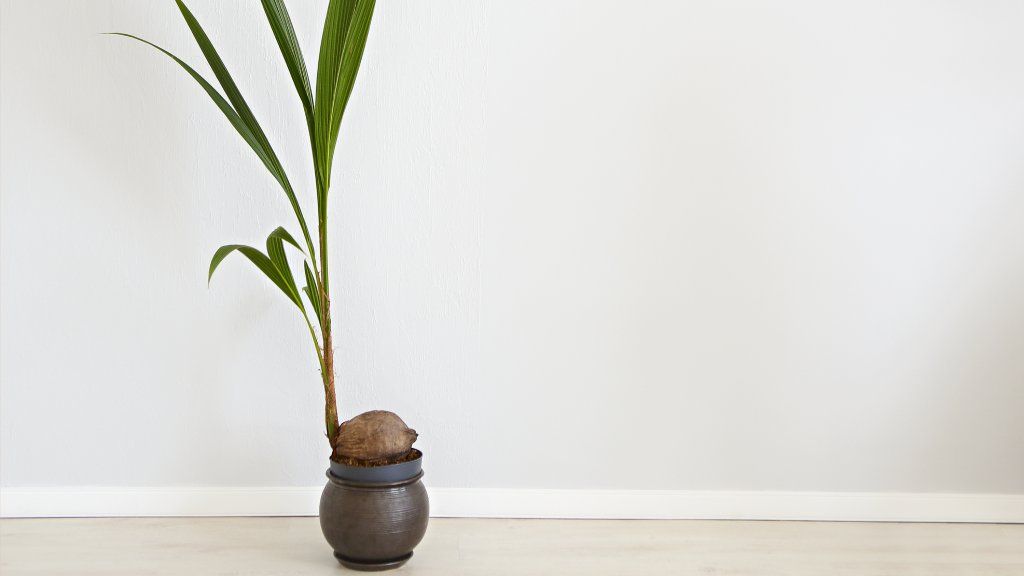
374 438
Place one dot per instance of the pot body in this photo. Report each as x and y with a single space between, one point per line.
373 525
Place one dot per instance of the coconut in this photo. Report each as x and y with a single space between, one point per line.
374 435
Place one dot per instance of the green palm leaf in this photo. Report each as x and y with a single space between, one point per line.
262 262
332 44
225 107
244 112
311 292
240 126
275 250
283 234
284 33
341 50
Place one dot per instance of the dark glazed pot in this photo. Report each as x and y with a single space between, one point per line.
374 517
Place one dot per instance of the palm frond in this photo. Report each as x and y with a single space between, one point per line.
284 33
311 291
263 263
233 94
341 50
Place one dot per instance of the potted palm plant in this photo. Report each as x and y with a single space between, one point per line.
374 508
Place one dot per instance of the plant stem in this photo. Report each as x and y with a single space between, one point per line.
330 394
330 397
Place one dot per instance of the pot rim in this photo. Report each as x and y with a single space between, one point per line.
373 485
378 476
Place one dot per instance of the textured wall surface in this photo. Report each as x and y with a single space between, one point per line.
662 244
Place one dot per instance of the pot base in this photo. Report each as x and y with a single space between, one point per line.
369 566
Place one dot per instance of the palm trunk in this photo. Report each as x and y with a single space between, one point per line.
330 397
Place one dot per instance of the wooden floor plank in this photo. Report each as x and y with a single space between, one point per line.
470 547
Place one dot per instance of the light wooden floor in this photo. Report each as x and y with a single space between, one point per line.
294 547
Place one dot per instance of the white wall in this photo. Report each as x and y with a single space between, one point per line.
655 245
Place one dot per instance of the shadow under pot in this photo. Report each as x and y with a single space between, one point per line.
373 517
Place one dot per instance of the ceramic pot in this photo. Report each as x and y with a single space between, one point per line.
374 517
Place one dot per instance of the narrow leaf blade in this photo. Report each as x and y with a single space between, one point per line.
261 261
352 56
283 234
234 95
225 79
240 126
284 32
214 95
219 257
332 45
275 250
311 291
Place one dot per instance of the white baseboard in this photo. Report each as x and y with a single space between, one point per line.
526 503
